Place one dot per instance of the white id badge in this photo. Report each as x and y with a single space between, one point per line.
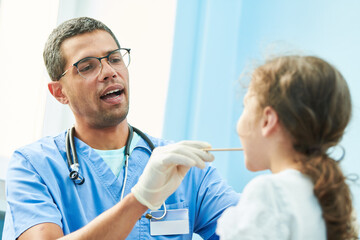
176 221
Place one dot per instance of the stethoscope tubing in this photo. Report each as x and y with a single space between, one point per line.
74 166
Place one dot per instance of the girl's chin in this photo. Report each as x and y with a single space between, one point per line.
253 168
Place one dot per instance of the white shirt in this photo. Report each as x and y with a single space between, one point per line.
116 158
275 206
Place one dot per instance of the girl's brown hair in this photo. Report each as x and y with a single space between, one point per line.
313 103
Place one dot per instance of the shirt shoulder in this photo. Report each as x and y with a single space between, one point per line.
259 202
43 145
278 185
159 141
282 204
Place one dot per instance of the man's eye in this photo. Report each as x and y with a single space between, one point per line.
115 60
86 66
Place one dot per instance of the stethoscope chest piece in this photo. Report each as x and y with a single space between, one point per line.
75 176
73 161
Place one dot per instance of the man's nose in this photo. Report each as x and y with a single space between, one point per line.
106 69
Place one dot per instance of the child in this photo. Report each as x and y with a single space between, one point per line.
296 108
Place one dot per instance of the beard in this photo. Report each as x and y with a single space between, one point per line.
109 118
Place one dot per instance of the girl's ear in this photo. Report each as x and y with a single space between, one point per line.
270 121
56 90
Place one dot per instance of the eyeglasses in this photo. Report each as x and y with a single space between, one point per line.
90 67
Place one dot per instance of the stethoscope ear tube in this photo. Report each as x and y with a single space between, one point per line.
72 146
128 141
67 146
143 136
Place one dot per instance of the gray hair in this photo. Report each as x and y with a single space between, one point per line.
53 58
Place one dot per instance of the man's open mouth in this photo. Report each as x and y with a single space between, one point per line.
112 94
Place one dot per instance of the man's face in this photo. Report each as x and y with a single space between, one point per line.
102 101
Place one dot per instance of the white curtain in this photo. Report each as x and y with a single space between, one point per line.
28 111
23 31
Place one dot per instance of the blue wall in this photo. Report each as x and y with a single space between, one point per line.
215 40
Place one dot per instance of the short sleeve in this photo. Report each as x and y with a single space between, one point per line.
213 197
29 200
258 215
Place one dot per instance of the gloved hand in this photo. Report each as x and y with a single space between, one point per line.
166 169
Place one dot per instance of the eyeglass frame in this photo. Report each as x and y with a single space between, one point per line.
98 58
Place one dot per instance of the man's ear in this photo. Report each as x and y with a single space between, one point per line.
270 121
56 90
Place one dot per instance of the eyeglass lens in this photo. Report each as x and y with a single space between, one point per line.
90 67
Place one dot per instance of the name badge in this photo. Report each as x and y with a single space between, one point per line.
176 221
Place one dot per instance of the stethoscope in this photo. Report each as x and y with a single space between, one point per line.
73 162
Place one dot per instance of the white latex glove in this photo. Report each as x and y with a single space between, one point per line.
166 169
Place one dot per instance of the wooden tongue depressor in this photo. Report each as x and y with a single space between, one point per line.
222 149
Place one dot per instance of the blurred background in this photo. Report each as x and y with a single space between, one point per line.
186 60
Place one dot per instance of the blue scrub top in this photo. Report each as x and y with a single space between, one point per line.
38 190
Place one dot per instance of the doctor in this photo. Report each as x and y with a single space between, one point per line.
110 195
